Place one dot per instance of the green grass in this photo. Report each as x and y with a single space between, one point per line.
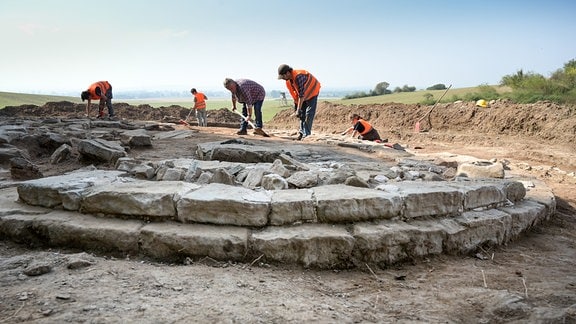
416 96
18 99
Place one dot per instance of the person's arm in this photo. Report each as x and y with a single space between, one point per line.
347 131
358 128
300 82
195 102
247 94
249 109
233 102
102 95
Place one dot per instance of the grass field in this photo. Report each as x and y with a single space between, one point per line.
18 99
270 108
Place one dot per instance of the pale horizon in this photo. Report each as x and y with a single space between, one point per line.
59 46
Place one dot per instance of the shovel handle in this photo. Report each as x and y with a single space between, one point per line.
437 101
244 117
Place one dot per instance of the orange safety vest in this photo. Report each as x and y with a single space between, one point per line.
367 126
311 87
103 85
200 100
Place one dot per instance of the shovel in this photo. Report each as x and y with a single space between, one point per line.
185 121
257 130
417 125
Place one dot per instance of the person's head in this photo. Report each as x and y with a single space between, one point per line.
230 84
85 95
193 91
354 117
284 72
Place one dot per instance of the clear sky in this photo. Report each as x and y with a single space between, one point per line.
65 45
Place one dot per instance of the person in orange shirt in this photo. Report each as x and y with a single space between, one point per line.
304 88
101 90
200 107
363 129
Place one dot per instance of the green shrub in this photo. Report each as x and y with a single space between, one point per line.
439 86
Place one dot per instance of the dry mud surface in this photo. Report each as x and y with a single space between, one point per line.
532 279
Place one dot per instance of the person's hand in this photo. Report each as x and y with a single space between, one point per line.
233 108
299 113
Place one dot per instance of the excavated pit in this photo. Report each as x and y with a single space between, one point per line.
329 202
288 205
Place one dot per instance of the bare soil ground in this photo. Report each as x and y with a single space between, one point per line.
532 279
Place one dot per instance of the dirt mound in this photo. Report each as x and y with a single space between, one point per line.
65 109
541 121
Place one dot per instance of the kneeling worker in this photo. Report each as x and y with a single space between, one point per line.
365 130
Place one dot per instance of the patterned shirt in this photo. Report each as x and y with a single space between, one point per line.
249 92
300 84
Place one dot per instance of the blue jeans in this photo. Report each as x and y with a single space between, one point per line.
307 116
257 115
108 104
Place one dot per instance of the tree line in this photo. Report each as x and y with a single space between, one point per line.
526 87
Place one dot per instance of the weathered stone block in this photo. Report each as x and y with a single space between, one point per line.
221 204
173 240
311 245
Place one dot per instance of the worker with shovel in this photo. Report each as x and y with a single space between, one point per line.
251 95
304 89
200 107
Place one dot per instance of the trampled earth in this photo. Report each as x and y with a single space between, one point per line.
532 279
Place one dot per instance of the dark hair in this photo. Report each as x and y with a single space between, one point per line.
353 116
85 95
193 90
283 68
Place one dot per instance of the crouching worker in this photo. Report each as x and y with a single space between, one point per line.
101 90
363 129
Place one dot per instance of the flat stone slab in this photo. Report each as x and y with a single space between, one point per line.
62 190
222 204
136 198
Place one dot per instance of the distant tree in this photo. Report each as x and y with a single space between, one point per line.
397 90
355 95
407 88
381 88
439 86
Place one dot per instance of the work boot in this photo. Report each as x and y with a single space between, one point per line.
259 131
299 138
242 132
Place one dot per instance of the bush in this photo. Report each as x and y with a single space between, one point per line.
439 86
428 99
